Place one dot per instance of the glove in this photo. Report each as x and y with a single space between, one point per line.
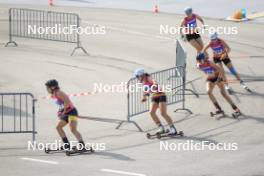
183 38
143 99
60 114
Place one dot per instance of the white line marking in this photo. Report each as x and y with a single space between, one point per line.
41 161
135 32
122 172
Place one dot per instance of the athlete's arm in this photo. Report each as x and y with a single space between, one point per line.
154 81
217 68
144 98
200 19
182 26
227 48
61 95
205 48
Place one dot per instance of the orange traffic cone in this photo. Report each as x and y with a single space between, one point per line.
50 2
156 9
238 15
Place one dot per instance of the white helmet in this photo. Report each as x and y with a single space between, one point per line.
213 36
139 72
188 10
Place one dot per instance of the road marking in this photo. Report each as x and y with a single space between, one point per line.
122 172
41 161
135 32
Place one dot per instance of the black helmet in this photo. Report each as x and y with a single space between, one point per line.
52 83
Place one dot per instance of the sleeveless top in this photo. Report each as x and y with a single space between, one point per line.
60 102
206 68
190 24
151 88
217 47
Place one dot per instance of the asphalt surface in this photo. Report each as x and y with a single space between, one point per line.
132 40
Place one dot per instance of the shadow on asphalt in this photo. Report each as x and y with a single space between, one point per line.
249 117
103 154
10 111
187 117
110 155
194 137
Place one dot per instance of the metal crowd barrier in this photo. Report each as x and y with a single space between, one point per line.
17 112
172 77
29 23
181 57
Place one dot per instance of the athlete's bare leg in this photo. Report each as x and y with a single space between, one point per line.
224 94
73 128
196 45
163 111
200 42
152 112
210 87
59 128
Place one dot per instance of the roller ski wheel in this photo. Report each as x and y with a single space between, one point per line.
235 115
58 150
155 135
47 150
179 133
68 153
92 150
148 135
158 135
213 114
168 134
72 152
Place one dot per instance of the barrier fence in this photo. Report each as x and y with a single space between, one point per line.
181 57
172 77
17 113
44 25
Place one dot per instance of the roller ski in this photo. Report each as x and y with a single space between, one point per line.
217 113
48 150
245 86
167 133
79 151
61 149
161 130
